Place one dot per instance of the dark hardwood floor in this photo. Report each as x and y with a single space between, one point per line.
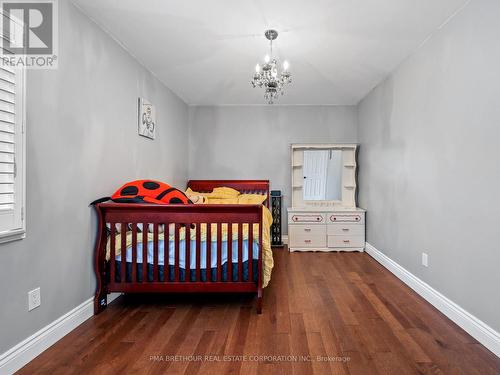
324 313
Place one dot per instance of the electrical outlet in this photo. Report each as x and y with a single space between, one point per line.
425 260
34 299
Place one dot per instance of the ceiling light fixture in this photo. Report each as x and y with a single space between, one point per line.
267 76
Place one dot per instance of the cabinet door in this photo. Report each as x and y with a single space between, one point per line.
315 167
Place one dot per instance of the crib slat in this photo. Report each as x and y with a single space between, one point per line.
198 245
208 263
145 230
155 252
240 252
219 252
112 258
134 252
123 273
166 252
250 252
229 252
187 255
176 258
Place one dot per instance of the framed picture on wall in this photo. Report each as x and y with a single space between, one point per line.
147 119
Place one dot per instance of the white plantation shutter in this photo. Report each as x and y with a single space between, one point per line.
12 154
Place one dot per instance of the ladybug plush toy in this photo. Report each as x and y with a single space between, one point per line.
147 191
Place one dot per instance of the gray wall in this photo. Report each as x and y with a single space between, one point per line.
429 158
81 143
253 142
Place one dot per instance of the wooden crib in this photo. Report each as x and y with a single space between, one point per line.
175 218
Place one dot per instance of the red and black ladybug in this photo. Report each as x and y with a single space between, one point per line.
147 191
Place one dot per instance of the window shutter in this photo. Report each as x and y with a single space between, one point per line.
12 153
7 138
12 145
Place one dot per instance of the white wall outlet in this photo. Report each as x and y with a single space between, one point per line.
34 299
425 260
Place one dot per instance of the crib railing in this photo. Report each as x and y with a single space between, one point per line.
146 223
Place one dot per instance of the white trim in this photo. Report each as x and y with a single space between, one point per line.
13 235
16 228
19 355
468 322
333 104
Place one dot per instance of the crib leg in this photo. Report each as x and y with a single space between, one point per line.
101 292
100 301
259 301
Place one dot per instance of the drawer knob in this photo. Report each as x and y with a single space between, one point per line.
346 241
307 229
307 241
345 229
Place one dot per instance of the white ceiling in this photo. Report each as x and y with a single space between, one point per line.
206 51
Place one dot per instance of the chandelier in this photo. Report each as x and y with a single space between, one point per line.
267 75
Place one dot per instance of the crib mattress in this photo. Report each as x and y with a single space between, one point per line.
192 261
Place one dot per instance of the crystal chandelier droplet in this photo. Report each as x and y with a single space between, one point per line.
267 75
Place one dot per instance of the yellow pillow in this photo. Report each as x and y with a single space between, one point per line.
251 198
225 192
222 200
190 192
219 192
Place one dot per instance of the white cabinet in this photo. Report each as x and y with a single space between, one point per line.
324 216
332 230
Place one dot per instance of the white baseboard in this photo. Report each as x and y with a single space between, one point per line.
468 322
19 355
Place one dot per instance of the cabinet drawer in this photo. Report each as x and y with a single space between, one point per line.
307 235
346 241
309 217
352 218
346 229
